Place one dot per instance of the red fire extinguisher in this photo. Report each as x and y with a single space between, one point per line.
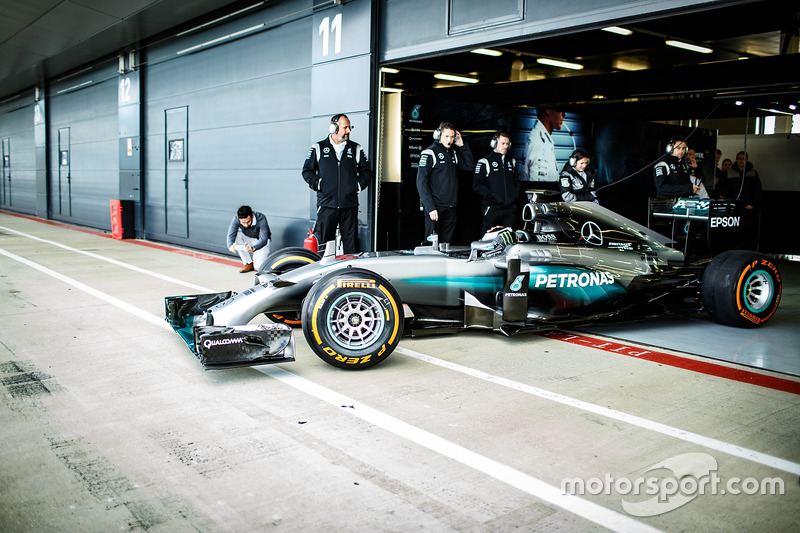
310 242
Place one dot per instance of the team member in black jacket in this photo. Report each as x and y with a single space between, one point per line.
437 180
748 192
338 170
496 180
576 182
671 174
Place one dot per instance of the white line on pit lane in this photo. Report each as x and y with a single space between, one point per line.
529 484
144 315
499 471
112 261
688 436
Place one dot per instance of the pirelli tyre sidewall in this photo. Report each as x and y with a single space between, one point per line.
352 319
741 288
286 260
708 289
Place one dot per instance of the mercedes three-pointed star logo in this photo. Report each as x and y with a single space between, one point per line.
591 234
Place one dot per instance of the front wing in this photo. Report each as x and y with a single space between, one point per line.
227 346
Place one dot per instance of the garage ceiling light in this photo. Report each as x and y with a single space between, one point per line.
452 77
220 39
80 85
560 64
10 98
229 15
689 46
487 52
775 111
630 63
618 30
389 70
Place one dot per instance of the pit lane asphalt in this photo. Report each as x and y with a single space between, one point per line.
110 423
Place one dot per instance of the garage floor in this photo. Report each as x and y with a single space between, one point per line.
109 423
774 347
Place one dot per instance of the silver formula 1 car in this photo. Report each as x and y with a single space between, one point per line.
572 264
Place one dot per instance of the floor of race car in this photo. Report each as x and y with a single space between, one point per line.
109 423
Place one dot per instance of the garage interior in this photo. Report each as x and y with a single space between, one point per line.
741 79
748 71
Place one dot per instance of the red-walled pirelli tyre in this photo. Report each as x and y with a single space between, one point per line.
352 319
741 288
280 262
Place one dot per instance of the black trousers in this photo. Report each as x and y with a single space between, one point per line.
444 227
497 216
347 220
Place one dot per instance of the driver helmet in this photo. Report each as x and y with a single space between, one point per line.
500 237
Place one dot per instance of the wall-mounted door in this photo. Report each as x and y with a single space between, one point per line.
176 181
5 190
64 176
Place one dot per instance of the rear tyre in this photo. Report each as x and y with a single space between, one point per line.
353 319
741 288
280 262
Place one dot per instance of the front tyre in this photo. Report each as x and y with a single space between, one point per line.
741 288
352 319
280 262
